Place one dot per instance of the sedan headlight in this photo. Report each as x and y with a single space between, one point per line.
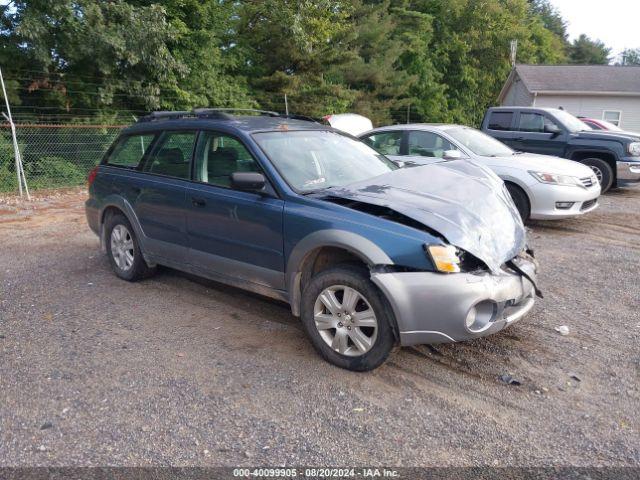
634 149
555 179
444 257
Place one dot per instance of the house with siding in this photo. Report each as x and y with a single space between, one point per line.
604 92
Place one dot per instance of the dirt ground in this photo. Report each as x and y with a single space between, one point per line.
177 370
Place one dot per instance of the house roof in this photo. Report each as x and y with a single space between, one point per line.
578 79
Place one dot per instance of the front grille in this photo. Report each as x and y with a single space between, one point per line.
588 204
588 181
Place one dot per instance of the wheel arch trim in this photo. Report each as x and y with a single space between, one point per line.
363 248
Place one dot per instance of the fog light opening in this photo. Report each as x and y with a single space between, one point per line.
480 316
564 205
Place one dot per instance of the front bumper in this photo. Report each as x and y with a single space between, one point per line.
545 199
628 171
433 307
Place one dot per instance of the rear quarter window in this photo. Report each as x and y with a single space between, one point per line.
129 150
500 120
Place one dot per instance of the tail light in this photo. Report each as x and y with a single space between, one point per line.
92 176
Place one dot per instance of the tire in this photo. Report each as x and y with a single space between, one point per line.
358 344
603 171
127 263
521 200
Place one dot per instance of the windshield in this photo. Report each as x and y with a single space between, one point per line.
571 123
313 160
479 143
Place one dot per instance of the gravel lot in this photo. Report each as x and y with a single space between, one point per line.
177 370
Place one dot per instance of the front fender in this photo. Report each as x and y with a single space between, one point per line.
363 248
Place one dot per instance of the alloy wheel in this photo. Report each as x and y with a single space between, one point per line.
345 320
598 173
122 247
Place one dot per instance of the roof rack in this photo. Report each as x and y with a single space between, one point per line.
209 111
216 113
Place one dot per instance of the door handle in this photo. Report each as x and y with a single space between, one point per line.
198 202
520 139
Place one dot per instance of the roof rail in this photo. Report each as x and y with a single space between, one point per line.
217 113
163 115
208 111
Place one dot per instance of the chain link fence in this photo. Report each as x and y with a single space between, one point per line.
53 155
57 155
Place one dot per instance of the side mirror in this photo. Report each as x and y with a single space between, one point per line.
248 181
400 163
452 155
553 129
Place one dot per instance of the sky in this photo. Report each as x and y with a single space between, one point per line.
615 22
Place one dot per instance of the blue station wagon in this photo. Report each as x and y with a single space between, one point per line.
367 254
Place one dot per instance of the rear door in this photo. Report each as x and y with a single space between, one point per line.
161 198
233 233
501 125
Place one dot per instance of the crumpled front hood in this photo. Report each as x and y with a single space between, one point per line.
463 201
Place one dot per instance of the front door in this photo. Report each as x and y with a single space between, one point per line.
540 134
233 233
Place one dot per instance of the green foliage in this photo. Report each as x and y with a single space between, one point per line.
435 60
584 51
630 56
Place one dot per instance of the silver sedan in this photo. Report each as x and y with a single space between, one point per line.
542 187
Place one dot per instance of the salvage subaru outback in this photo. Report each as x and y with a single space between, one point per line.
368 255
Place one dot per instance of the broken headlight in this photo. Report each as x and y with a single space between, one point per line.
444 257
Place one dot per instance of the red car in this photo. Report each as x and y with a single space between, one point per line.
600 124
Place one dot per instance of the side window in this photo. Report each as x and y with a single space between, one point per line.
500 120
130 150
387 143
428 144
218 156
535 123
172 155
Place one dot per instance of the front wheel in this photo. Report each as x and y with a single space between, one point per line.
520 199
603 171
347 319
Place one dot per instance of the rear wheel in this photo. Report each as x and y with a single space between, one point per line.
124 251
347 319
520 199
603 171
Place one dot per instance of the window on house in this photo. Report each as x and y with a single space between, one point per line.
612 116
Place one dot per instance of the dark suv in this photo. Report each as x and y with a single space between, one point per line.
369 255
613 156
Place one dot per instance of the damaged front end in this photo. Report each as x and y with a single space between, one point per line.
459 202
480 241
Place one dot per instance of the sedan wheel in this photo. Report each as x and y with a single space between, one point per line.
345 320
122 248
598 173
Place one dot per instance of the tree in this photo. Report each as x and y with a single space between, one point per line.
584 51
551 18
91 54
630 56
